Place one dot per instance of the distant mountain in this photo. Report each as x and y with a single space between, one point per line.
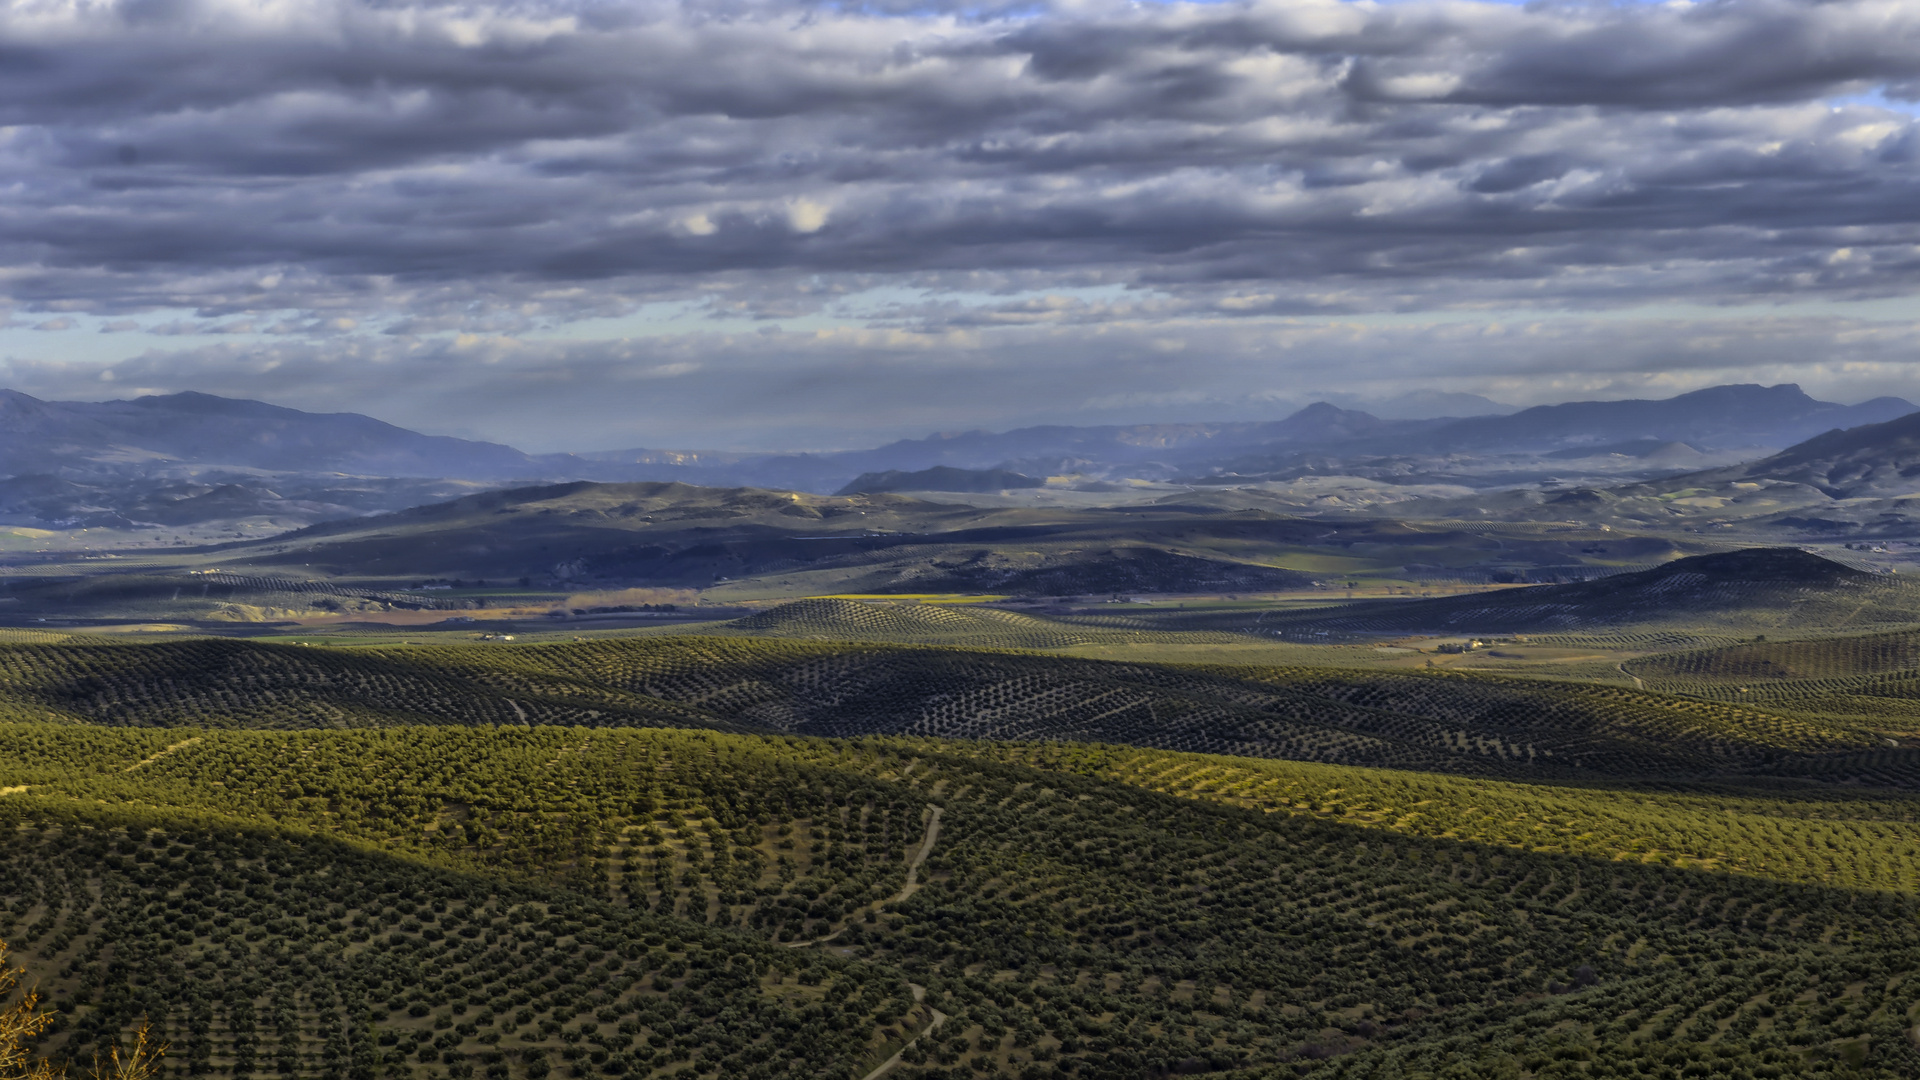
1317 425
940 478
184 460
1149 450
1717 417
109 463
153 434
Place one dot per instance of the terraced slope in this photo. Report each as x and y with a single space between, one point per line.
1868 679
1789 661
458 902
1440 721
218 682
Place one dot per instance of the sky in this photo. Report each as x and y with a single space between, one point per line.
760 224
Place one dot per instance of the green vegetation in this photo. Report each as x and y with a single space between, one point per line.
834 839
596 902
1435 720
830 619
1866 680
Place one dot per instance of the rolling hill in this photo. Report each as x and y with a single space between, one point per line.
622 903
673 534
1852 482
940 478
1756 588
1442 721
1320 436
749 544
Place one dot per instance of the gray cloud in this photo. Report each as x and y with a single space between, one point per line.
367 154
360 179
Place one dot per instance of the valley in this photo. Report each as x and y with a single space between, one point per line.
1134 774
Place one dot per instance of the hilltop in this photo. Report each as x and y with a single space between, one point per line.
184 460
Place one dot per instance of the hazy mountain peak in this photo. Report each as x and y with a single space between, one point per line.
1748 394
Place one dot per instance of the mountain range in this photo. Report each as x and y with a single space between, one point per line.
178 434
188 458
1716 418
1667 434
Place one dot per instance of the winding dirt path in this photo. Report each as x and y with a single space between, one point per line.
919 995
907 888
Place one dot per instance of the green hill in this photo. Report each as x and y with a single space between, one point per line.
1868 679
833 619
458 902
1441 721
965 625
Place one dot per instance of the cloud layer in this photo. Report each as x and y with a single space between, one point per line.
337 171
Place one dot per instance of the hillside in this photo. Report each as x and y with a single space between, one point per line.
1852 482
1320 437
630 903
676 535
746 544
1756 588
1865 678
179 461
1873 461
940 478
1719 416
1441 721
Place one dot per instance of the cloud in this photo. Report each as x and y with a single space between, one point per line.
361 156
369 179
